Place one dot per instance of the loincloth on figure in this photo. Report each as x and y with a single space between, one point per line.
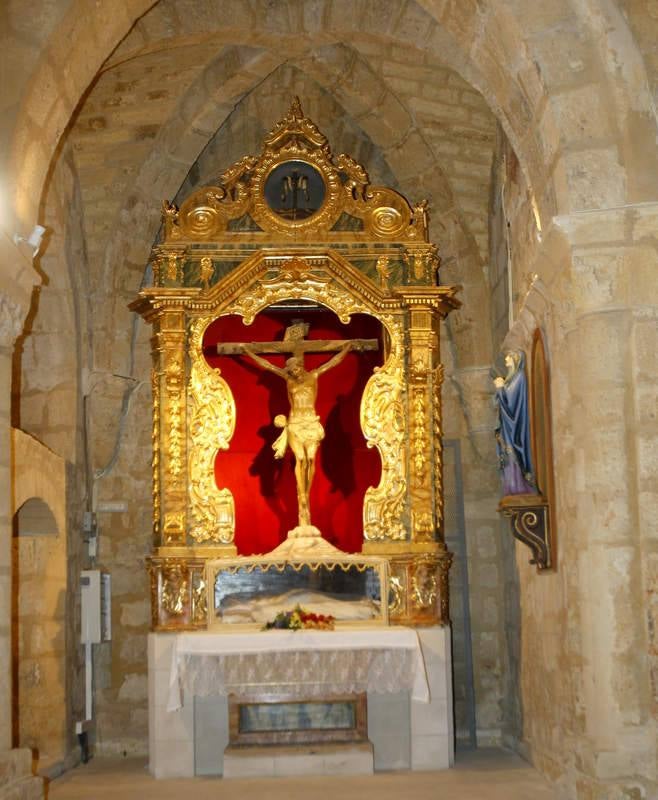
305 430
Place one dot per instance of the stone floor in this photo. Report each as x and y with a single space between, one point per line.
478 775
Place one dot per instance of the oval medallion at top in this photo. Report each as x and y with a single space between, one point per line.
295 190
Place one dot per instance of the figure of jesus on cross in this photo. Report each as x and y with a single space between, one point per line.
302 429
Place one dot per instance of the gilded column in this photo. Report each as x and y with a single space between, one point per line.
422 572
423 345
169 410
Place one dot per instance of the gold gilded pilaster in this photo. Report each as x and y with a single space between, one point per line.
171 346
155 444
422 346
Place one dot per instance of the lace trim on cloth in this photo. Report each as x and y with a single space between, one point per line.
314 673
315 662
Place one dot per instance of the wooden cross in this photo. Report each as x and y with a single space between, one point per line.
295 344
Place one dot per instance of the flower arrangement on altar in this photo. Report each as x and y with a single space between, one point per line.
298 619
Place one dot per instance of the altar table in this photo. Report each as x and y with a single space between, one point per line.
406 731
317 663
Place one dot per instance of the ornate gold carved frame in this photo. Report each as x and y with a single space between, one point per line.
364 250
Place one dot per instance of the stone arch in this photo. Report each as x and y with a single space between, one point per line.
35 518
208 103
627 90
175 149
532 91
470 34
69 61
38 473
500 61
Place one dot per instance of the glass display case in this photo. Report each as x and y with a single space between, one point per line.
252 591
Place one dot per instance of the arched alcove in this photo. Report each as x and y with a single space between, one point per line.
39 581
35 518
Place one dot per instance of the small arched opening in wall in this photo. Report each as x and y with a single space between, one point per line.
39 579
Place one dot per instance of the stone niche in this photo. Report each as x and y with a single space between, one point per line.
293 255
40 570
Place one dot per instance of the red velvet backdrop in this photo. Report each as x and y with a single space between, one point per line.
264 488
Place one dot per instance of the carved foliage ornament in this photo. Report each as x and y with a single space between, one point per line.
174 589
173 386
178 593
418 446
211 426
384 425
419 589
438 446
155 442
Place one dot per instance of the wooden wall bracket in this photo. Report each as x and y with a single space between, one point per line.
530 519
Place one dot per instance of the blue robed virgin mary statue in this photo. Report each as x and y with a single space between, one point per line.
513 429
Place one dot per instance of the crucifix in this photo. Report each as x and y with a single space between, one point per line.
302 430
292 185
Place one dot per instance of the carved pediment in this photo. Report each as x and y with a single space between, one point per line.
295 189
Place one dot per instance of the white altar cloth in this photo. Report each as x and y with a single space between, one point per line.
387 659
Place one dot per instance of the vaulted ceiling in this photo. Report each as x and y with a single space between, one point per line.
190 91
421 92
196 85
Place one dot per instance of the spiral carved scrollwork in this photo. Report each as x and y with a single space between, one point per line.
384 426
211 426
385 213
530 520
201 221
385 220
388 214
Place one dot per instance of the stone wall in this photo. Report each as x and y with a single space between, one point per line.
16 779
122 463
468 417
580 636
50 365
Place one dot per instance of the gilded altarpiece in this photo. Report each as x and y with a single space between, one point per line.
296 225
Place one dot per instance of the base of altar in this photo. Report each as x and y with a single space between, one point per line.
322 759
403 732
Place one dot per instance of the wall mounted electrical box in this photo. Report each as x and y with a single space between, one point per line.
95 607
